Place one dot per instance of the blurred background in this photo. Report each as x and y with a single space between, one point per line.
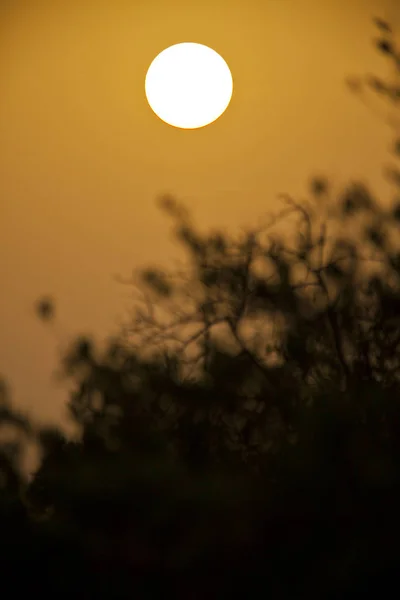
83 157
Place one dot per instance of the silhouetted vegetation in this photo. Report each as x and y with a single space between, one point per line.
241 435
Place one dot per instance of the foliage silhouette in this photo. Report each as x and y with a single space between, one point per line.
242 432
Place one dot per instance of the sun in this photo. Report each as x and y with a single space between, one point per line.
189 85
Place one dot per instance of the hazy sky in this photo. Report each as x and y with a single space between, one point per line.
83 157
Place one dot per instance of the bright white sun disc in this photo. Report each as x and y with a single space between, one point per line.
189 85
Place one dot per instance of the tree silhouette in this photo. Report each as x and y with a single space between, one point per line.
242 432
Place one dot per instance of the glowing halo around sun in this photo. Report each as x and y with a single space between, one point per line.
188 85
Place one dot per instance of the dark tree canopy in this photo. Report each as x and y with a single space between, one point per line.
241 433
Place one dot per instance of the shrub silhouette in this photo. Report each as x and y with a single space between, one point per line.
242 432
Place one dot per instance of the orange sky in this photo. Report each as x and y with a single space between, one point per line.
82 156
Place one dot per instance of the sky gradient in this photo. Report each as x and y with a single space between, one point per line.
83 157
